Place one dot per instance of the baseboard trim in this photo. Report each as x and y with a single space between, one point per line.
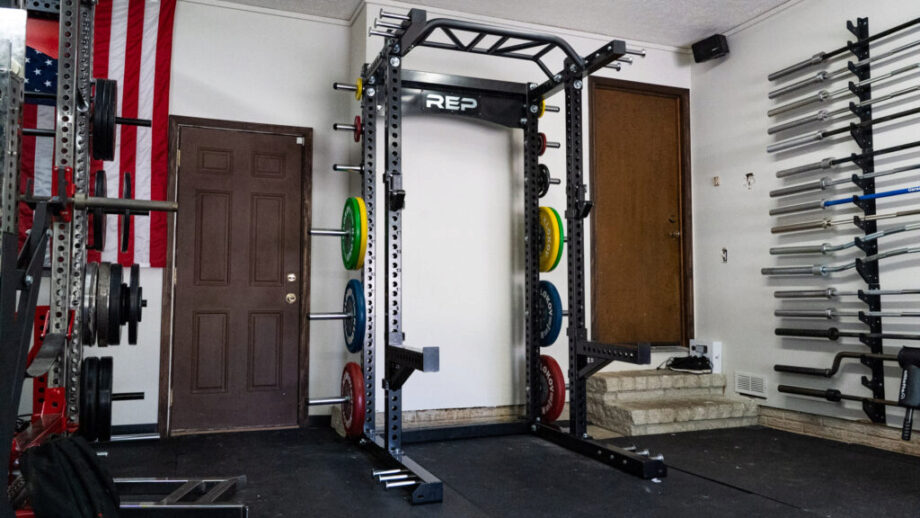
861 432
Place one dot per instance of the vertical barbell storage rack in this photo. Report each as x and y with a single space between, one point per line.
396 92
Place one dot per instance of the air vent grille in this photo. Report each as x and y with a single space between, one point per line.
750 384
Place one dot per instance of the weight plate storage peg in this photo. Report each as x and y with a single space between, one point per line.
552 389
353 409
551 239
549 313
89 375
354 325
104 399
354 241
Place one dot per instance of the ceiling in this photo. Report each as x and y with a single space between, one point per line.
668 22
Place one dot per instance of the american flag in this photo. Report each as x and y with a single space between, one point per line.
132 45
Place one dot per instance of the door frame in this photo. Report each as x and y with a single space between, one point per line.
686 213
176 123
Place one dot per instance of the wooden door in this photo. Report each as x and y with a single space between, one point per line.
641 220
237 357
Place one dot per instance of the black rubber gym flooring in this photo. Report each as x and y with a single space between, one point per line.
736 472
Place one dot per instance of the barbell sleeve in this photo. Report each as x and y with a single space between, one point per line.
793 270
795 141
817 185
826 163
805 225
801 65
807 249
798 207
819 97
820 77
820 115
828 313
830 333
805 294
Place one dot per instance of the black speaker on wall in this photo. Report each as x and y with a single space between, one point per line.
712 47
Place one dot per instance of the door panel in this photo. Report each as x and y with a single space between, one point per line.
236 340
639 277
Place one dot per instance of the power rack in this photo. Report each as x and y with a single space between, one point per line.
399 92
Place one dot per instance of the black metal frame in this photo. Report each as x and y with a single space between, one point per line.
514 105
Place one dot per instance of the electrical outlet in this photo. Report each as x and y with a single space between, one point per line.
711 350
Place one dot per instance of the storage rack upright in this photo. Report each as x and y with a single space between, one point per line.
514 105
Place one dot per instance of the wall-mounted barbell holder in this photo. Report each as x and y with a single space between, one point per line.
829 163
827 248
835 367
825 182
825 96
834 334
829 293
852 128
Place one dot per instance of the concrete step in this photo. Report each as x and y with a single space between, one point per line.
654 384
670 415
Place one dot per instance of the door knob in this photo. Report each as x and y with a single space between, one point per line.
675 234
290 298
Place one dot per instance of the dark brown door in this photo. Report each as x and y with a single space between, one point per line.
641 247
236 345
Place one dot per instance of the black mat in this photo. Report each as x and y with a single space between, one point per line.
737 472
827 478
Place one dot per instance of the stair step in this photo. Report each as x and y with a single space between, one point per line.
668 415
646 384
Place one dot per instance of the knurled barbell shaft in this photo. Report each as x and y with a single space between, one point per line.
331 316
325 401
329 232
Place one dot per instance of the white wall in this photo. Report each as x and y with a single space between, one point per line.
463 253
729 102
463 223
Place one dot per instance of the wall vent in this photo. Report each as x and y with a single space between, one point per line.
750 384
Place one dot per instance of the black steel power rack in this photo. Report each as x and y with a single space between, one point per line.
402 92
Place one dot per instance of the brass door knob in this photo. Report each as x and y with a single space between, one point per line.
675 234
290 298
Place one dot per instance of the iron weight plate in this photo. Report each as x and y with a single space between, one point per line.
132 310
115 305
561 228
88 308
351 242
542 144
126 217
105 107
88 388
552 389
542 180
354 327
104 399
103 299
549 313
353 410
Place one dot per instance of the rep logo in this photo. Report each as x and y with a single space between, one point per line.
450 102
